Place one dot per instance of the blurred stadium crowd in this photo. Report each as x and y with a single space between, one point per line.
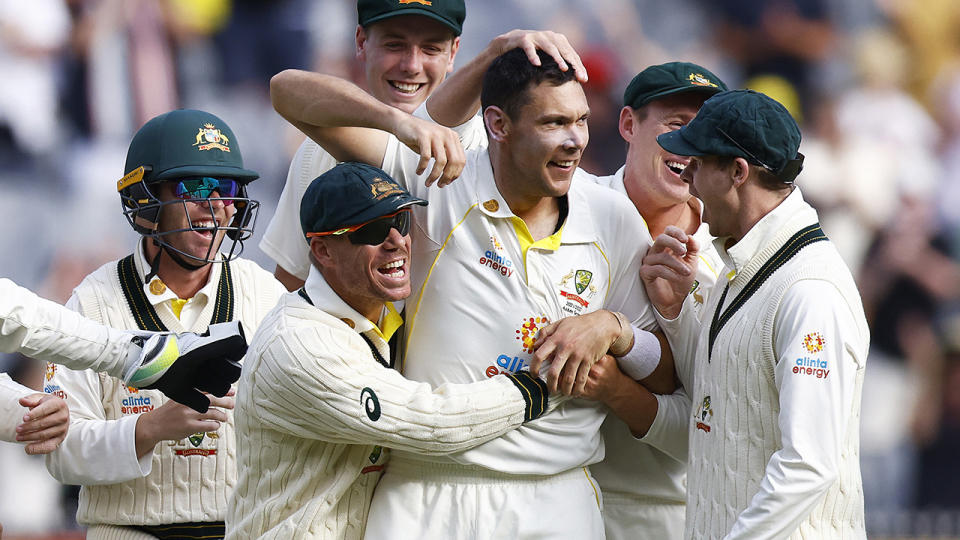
875 85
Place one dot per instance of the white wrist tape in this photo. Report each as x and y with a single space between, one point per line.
643 358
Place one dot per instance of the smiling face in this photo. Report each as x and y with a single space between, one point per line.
652 173
405 58
365 276
711 181
203 242
544 141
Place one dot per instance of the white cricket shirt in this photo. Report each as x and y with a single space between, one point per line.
482 290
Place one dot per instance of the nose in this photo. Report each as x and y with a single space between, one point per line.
214 201
412 61
394 240
577 138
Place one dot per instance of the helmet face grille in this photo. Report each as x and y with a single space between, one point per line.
142 209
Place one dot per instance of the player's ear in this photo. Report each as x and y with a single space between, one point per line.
321 251
627 123
740 170
497 122
361 41
454 47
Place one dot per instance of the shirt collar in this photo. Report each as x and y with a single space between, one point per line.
579 225
792 213
157 291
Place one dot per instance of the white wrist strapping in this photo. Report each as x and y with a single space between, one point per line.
643 358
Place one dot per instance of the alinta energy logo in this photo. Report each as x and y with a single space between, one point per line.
527 335
48 386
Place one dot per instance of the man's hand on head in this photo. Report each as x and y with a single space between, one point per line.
554 44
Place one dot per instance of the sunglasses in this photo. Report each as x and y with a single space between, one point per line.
374 232
204 186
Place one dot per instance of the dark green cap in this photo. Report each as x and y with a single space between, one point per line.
449 12
183 143
350 194
742 123
670 78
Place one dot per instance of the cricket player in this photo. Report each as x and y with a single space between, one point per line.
643 473
41 329
318 398
774 435
150 467
501 252
405 50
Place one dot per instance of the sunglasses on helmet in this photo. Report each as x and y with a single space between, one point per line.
374 232
204 186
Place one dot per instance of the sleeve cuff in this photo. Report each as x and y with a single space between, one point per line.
643 358
131 465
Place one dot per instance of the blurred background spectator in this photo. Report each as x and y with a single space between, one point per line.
874 83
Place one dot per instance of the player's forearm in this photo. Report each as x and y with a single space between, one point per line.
50 332
633 404
325 101
355 400
669 431
11 413
458 99
335 113
98 452
663 380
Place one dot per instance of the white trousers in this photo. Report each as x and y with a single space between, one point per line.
632 518
421 500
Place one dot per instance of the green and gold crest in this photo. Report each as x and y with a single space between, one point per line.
582 279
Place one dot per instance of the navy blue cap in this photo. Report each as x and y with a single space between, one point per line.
350 194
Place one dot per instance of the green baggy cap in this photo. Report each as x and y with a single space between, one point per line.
671 78
449 12
742 123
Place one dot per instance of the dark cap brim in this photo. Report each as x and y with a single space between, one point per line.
206 170
686 89
414 11
674 143
383 208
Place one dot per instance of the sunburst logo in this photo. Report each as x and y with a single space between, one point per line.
527 333
813 342
51 371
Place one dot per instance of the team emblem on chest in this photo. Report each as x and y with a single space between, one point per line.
198 444
576 290
704 415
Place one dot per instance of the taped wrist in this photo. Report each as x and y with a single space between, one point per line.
643 358
534 392
624 341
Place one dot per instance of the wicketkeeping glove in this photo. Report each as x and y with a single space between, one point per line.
183 366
